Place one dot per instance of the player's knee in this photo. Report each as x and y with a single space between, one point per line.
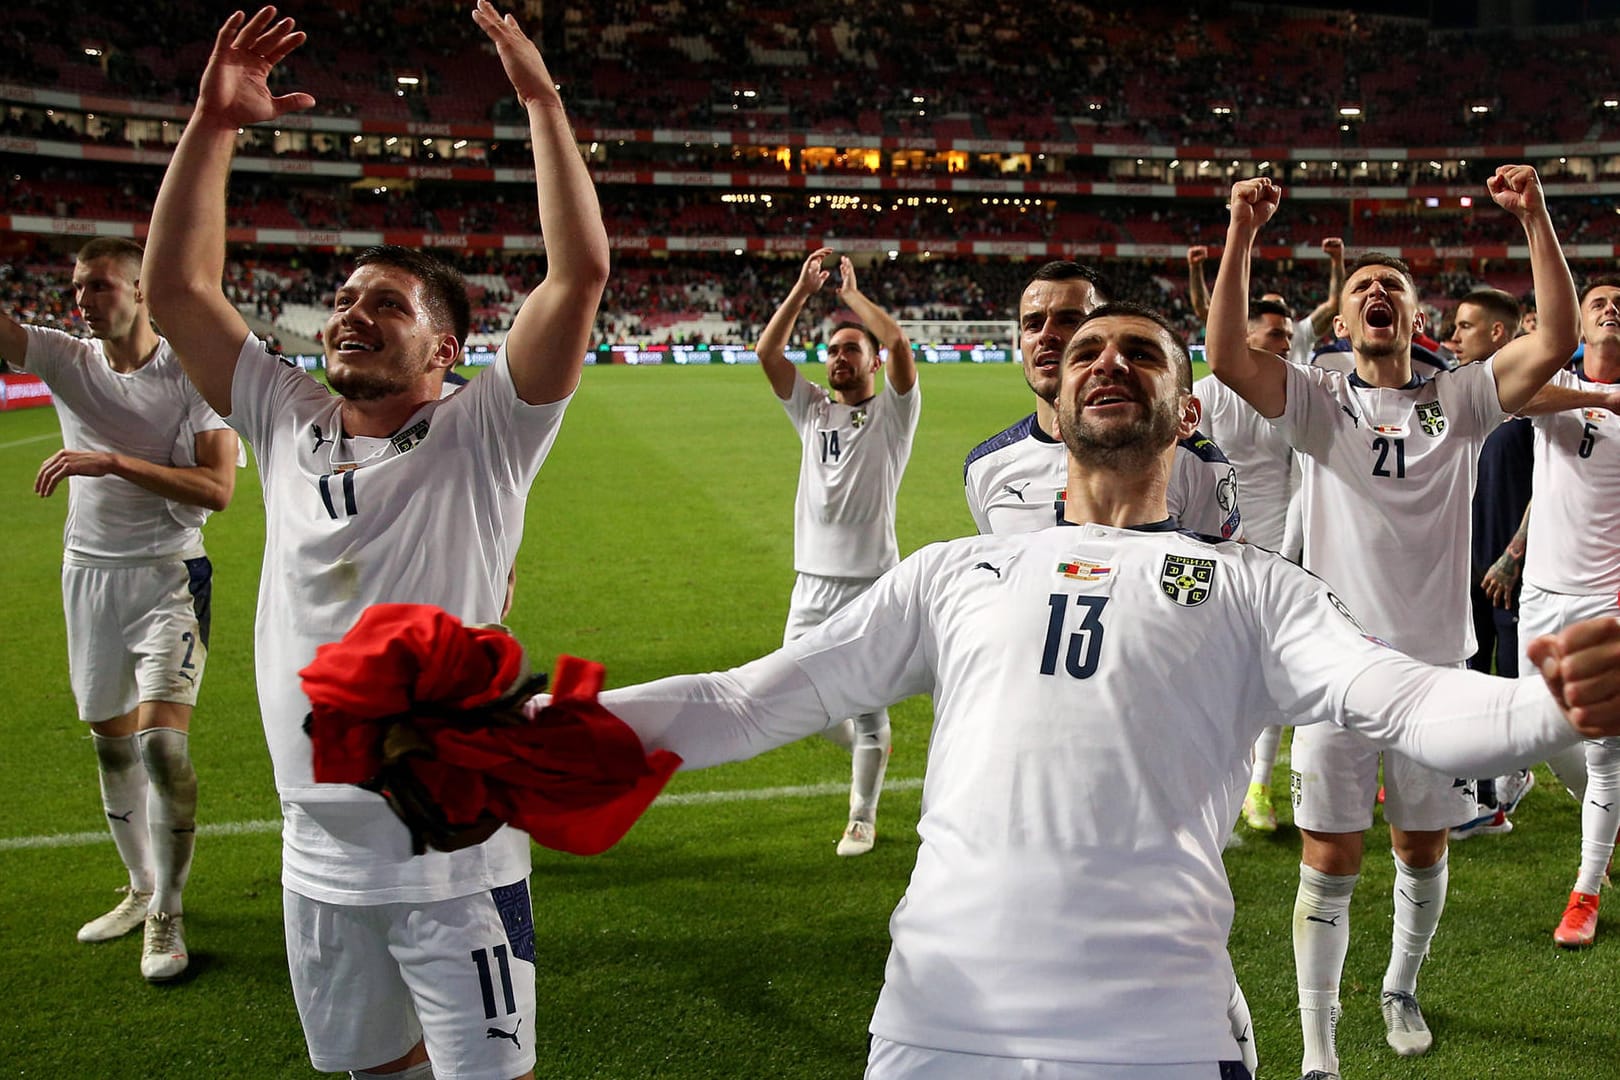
166 754
115 753
415 1071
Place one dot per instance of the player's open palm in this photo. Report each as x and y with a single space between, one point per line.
811 276
1516 189
846 279
1255 200
518 54
236 84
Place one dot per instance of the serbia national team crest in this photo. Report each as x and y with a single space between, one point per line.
1187 580
1431 418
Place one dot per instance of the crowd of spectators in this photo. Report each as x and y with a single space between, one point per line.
1087 71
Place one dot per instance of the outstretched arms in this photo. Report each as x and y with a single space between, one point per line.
185 248
773 341
1259 377
902 365
545 349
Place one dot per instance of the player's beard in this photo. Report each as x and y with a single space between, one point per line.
376 384
853 380
1120 447
1380 350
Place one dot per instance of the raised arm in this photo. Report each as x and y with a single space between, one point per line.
1322 315
210 483
1197 287
1524 365
13 342
185 249
545 349
1258 377
901 370
773 341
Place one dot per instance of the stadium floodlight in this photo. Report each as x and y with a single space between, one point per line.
1479 110
1465 201
391 140
1349 110
1611 103
1435 165
408 80
459 143
91 50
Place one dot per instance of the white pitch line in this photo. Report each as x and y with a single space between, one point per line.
251 828
31 439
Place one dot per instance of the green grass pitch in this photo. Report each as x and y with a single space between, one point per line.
722 938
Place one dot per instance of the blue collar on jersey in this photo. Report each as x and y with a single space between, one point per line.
1037 434
1169 524
1412 384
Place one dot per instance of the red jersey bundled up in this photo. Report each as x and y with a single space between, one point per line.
426 711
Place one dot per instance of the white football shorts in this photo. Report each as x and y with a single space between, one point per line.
136 633
371 980
814 600
1334 784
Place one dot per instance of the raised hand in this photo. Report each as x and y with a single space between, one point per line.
846 279
235 86
519 56
811 276
1254 201
1333 248
1197 254
1516 189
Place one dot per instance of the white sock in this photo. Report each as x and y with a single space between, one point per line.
1238 1015
869 761
1420 897
1600 814
172 810
1569 765
1321 940
1265 755
123 798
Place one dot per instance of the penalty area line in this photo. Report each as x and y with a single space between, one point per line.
273 825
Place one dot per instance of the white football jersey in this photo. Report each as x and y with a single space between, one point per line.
1262 457
1097 692
849 476
144 414
1016 481
1574 544
1387 483
432 515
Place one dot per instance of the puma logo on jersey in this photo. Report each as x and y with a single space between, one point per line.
1605 807
1352 414
1410 899
996 570
1326 922
188 676
124 817
497 1033
1018 491
320 439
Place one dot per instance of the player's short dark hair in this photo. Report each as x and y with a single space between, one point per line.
1498 305
1379 258
1258 308
1182 355
113 247
1069 270
1598 281
445 288
850 324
